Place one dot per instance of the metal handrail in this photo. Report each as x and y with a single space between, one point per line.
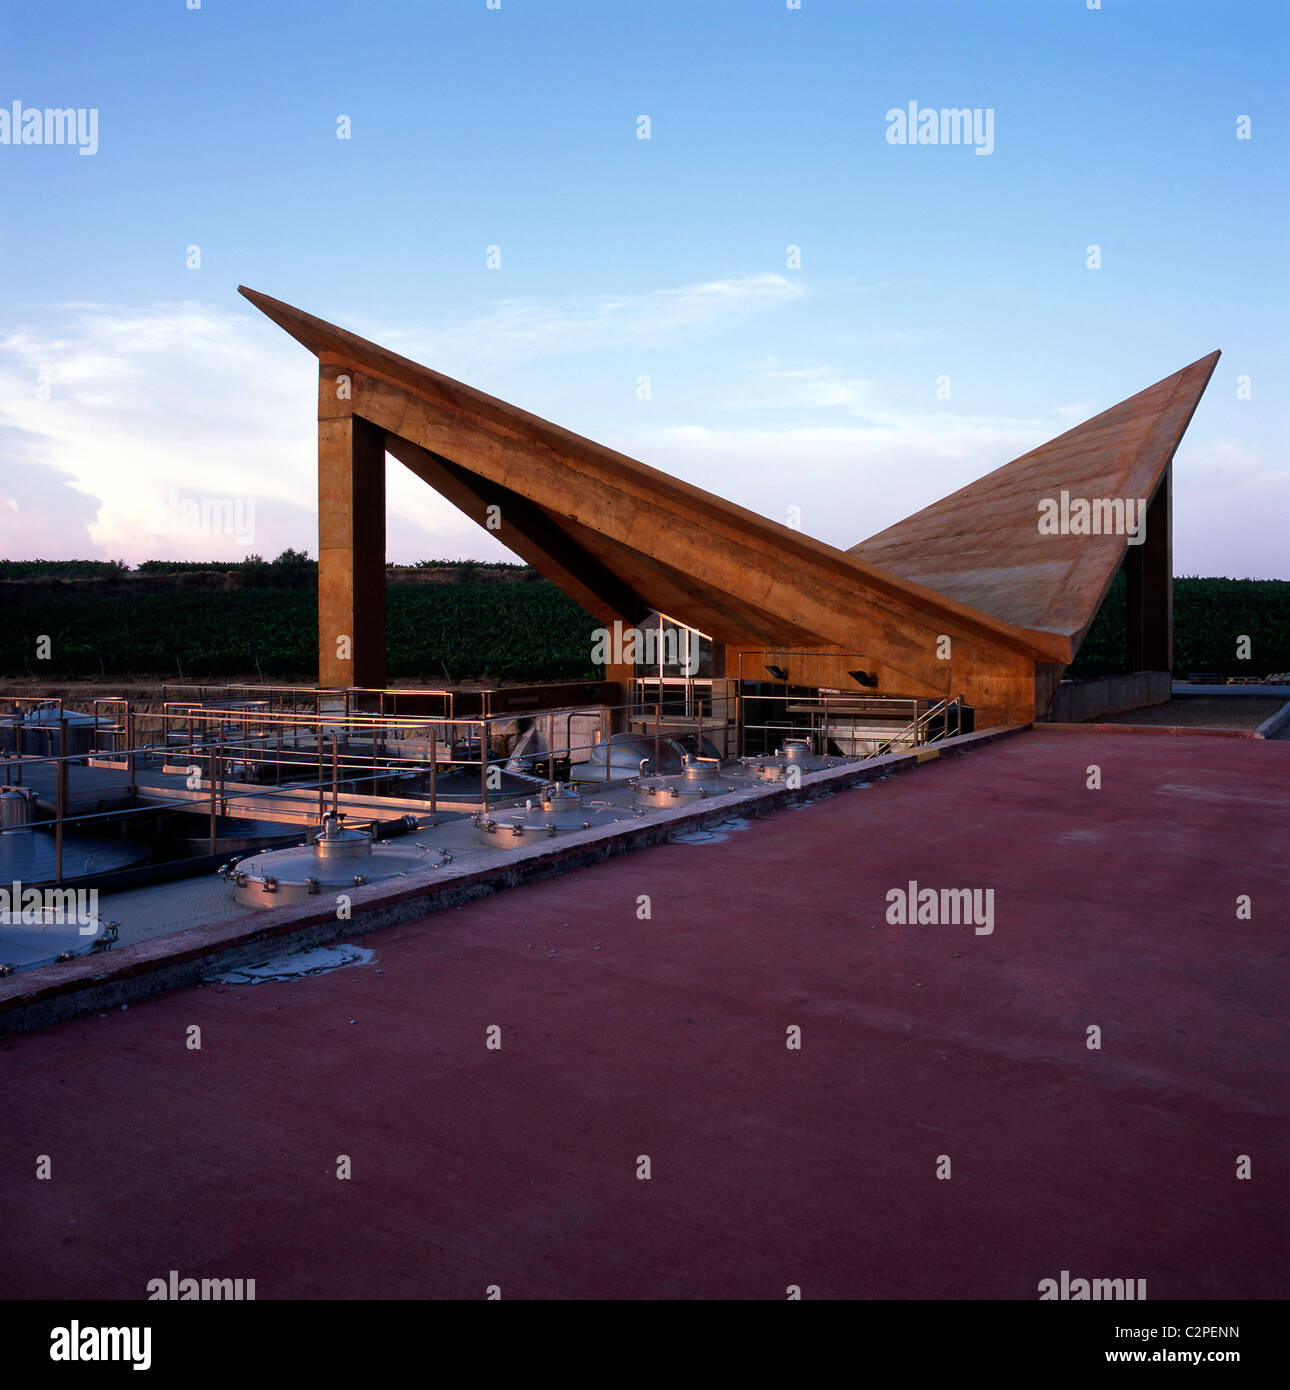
914 731
218 738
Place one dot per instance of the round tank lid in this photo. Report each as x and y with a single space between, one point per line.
335 842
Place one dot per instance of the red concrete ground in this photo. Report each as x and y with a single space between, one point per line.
770 1167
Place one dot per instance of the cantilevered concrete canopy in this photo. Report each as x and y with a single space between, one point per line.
982 546
622 538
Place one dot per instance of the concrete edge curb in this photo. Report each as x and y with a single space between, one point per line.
1176 730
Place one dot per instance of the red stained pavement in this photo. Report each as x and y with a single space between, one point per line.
770 1167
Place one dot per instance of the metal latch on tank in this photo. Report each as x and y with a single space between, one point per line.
107 938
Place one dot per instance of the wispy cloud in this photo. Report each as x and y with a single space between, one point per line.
779 387
847 479
510 330
105 415
851 479
124 406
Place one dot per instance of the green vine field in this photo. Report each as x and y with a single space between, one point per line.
475 628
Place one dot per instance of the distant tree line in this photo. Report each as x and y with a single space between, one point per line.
1210 618
434 632
474 627
290 568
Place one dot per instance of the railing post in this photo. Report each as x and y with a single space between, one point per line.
434 763
60 799
129 744
212 774
483 763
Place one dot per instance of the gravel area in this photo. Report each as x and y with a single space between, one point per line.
1202 712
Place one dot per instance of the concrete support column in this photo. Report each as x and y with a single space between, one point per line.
1149 575
351 551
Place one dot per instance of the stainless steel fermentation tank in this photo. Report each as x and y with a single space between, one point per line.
17 805
558 808
38 732
336 859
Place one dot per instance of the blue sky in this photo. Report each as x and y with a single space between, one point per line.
128 378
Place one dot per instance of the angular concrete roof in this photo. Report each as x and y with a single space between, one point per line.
616 534
981 545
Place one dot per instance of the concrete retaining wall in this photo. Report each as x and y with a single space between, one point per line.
1076 701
